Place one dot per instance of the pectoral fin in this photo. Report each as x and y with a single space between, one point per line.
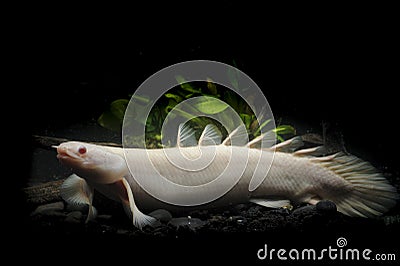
138 218
75 190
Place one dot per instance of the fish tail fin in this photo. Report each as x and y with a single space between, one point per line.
367 192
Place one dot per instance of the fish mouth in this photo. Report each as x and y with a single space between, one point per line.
64 154
69 160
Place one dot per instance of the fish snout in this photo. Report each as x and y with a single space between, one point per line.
65 152
62 151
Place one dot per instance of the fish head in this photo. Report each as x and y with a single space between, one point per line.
92 162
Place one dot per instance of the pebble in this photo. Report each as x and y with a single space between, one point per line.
238 219
254 212
201 214
51 209
192 223
122 231
156 224
84 208
161 215
241 207
326 207
74 217
104 217
216 219
305 210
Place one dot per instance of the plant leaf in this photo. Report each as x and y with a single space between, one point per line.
186 85
212 87
118 108
210 105
176 97
233 76
171 104
284 129
142 99
262 125
246 119
279 138
108 120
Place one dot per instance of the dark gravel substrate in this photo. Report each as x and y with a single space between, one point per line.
228 235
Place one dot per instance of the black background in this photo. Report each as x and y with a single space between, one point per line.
337 66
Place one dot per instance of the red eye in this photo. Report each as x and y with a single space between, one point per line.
82 150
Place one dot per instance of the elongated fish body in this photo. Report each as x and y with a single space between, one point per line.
177 178
218 166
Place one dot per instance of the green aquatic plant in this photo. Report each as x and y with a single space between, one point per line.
215 100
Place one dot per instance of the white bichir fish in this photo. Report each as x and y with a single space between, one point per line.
297 175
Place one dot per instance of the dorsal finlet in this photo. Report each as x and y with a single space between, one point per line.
186 137
238 137
210 136
289 145
315 151
265 140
